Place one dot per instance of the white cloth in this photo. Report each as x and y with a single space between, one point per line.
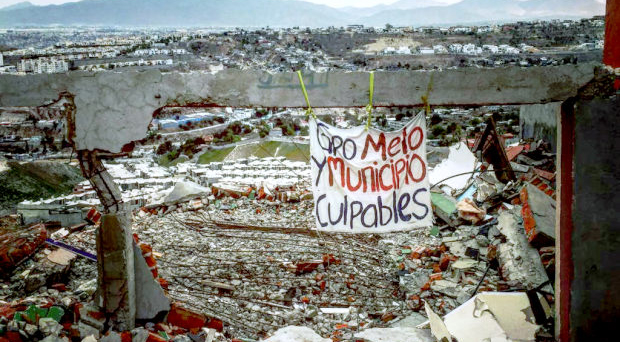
370 181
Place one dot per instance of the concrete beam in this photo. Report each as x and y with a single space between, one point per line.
115 108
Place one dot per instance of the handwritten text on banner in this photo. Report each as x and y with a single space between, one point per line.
369 181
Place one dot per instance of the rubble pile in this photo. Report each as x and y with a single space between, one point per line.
245 268
258 280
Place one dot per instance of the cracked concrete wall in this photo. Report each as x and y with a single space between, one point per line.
539 121
115 108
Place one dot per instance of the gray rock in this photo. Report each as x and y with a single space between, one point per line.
54 338
111 337
49 326
482 240
181 338
86 330
410 321
139 335
31 329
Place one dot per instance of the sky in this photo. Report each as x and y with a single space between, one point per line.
333 3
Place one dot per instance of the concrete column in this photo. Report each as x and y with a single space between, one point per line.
115 264
588 229
115 252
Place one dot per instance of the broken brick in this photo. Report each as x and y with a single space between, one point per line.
185 318
538 213
307 266
216 324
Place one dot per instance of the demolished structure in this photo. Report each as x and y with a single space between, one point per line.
494 238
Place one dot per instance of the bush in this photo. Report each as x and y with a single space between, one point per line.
164 148
438 130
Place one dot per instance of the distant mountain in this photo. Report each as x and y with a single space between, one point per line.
360 12
476 11
288 13
19 5
177 13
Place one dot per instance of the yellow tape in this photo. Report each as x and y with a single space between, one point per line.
309 111
371 92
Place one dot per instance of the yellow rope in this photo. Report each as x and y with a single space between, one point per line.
370 94
309 111
429 88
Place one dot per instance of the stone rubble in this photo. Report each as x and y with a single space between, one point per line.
242 269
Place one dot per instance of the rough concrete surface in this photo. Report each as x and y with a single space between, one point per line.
150 297
595 299
115 108
539 121
115 265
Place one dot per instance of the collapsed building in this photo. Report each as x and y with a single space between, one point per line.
234 280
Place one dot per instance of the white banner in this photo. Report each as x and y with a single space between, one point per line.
370 181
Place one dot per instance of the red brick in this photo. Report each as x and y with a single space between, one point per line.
445 261
307 266
426 287
7 311
216 324
435 276
13 336
185 318
60 287
126 336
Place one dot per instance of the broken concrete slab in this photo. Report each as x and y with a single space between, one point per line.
538 212
493 316
184 191
401 334
411 321
438 328
61 257
296 333
150 297
519 262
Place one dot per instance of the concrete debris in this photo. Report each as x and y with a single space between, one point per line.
444 207
402 334
185 190
519 262
150 297
493 316
296 334
61 257
469 211
239 259
538 212
438 327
